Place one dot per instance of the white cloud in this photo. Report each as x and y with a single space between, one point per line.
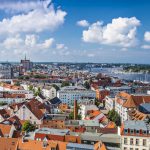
91 55
30 40
23 6
147 36
83 23
61 46
12 42
145 46
29 43
120 32
47 43
36 21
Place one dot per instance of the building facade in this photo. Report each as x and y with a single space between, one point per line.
69 94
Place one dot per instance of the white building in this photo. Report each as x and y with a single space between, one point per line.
125 102
6 71
109 103
135 136
85 108
70 93
49 92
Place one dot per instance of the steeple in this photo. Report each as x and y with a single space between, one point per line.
25 57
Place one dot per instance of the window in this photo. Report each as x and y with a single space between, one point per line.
125 131
131 131
131 148
131 141
136 149
137 141
125 140
137 131
144 142
125 148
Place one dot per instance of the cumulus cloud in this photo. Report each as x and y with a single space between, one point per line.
147 36
145 46
83 23
47 43
61 46
23 6
37 20
12 42
29 42
120 32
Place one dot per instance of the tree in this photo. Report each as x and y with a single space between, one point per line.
65 83
71 116
114 116
56 87
27 127
30 87
97 102
26 77
86 85
37 92
17 83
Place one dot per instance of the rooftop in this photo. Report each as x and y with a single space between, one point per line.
53 131
137 125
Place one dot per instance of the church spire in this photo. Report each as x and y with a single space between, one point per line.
25 56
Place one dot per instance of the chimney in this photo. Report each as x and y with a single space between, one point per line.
75 110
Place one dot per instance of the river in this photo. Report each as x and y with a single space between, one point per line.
117 72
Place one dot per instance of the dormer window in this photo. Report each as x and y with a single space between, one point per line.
131 131
137 131
144 132
125 131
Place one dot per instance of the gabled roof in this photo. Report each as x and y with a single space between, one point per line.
8 143
13 120
4 113
5 129
133 101
36 108
129 103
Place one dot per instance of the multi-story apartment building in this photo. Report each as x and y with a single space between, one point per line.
6 71
135 135
109 102
125 102
70 93
49 92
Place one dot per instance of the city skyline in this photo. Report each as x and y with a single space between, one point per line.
75 31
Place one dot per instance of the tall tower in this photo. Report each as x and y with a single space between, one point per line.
75 110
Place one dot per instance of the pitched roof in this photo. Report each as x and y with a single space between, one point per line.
38 145
4 113
135 100
129 103
36 108
13 120
55 100
8 143
5 129
136 115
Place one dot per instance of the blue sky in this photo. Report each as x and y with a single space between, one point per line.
75 30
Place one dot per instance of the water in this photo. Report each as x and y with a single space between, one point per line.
117 72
